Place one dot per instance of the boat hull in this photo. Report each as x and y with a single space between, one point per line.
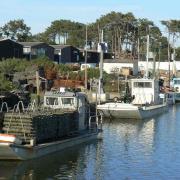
129 111
9 151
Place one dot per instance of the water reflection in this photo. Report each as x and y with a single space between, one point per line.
130 149
74 163
42 168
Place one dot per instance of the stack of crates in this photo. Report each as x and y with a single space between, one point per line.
41 128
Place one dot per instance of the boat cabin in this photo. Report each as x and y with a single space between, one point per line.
69 101
145 91
60 100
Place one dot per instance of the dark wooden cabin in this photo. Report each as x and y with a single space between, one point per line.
66 54
34 50
10 49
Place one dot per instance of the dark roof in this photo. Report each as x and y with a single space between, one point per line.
7 39
31 43
89 50
60 46
119 61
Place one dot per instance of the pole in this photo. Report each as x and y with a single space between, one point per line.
37 87
147 56
100 69
169 66
174 61
159 60
138 50
138 44
85 71
101 57
118 85
174 57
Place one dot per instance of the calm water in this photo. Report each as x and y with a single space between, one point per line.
129 150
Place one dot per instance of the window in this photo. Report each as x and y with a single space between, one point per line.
51 101
176 81
68 101
143 84
41 52
148 85
26 49
138 84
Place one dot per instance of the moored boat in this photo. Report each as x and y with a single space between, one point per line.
64 121
145 103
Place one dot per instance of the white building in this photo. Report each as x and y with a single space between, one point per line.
115 66
159 65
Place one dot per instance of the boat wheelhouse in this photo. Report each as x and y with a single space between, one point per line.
145 91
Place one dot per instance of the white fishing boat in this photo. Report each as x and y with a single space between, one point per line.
176 88
34 132
145 103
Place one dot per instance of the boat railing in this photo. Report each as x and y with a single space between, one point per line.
20 107
95 122
4 104
17 109
32 106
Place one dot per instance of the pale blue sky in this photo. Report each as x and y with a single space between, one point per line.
38 14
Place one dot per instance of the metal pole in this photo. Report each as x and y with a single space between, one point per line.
138 50
169 66
174 61
118 84
85 71
37 87
147 56
101 57
101 70
159 60
96 107
174 57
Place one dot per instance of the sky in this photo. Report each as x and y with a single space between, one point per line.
38 14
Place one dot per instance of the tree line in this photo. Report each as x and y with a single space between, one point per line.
124 34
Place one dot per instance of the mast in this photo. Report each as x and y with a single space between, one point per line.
174 57
169 65
147 56
85 71
101 57
174 61
100 89
159 60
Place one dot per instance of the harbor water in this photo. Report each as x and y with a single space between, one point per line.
130 149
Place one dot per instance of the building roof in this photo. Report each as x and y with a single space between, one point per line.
89 50
31 43
59 46
120 61
7 39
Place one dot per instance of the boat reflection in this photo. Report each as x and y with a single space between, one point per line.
130 133
67 164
